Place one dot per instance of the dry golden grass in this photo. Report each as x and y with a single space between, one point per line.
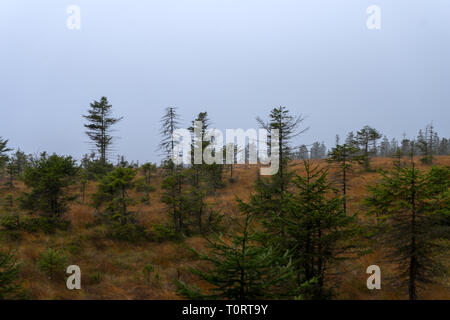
113 270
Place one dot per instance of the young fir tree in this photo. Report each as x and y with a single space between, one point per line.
3 153
50 179
113 194
173 183
52 263
199 171
344 157
367 138
288 128
99 127
415 207
148 169
240 269
427 144
316 230
10 287
12 171
169 122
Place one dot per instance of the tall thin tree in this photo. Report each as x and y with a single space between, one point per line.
99 126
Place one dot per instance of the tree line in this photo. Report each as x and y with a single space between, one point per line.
288 239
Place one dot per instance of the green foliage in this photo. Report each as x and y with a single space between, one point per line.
148 270
3 153
52 263
315 225
10 286
161 233
367 138
174 196
288 127
99 125
10 222
112 193
94 169
50 179
241 269
310 223
413 209
344 157
148 169
95 278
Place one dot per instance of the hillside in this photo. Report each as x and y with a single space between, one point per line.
113 269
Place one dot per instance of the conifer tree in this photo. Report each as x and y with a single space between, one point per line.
316 230
148 169
113 194
415 207
99 127
169 123
173 183
427 143
344 157
50 179
288 127
10 286
175 196
367 138
3 153
241 269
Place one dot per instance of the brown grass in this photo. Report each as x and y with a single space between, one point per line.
120 265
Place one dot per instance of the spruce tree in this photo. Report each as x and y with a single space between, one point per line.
3 153
344 157
10 286
173 183
367 138
240 269
415 207
113 194
288 127
316 230
99 127
50 179
169 122
174 196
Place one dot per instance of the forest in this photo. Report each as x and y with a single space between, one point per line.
222 230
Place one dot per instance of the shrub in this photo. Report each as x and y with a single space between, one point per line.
52 263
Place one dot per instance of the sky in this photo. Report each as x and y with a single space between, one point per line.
235 59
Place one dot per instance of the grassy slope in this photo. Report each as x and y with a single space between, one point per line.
112 270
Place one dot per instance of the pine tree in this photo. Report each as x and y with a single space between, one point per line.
52 262
169 123
10 286
99 127
316 230
174 196
173 184
303 152
148 169
428 144
113 194
241 269
3 153
414 206
344 157
50 179
385 147
367 138
288 128
15 166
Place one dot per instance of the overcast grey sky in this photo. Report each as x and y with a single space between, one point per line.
235 59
